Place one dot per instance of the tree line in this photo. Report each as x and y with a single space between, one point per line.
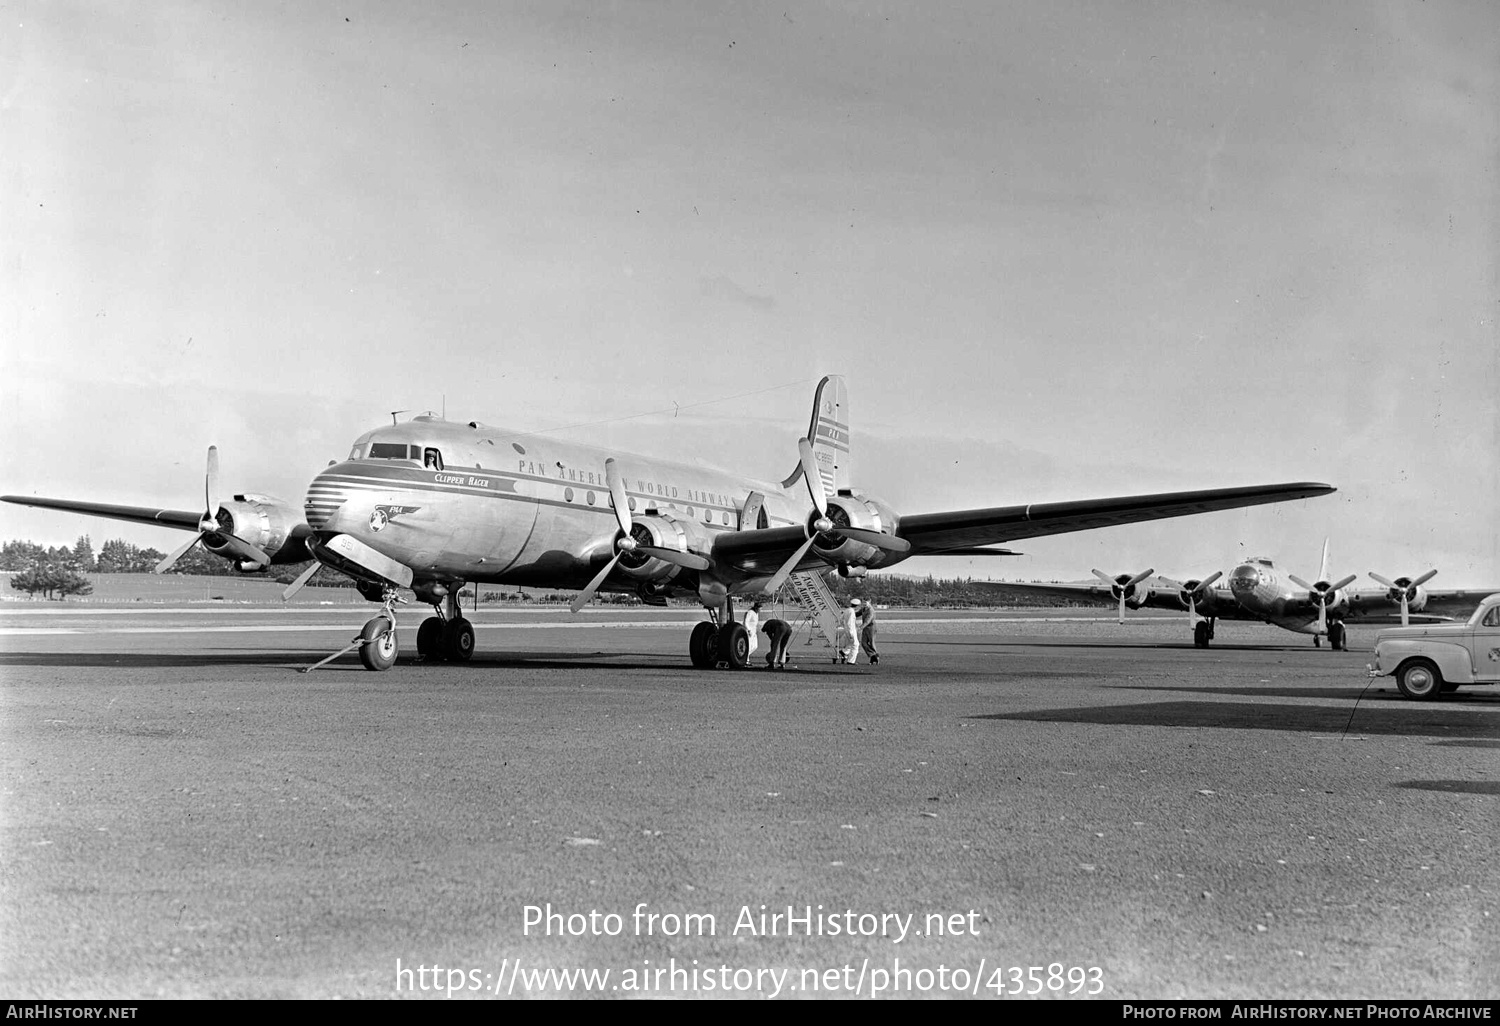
59 571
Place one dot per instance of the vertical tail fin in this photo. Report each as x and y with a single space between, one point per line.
1323 569
828 431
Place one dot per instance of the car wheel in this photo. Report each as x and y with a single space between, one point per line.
1419 679
378 646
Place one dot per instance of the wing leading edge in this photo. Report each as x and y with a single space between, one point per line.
933 533
185 519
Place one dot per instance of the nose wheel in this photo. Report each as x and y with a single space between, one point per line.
376 641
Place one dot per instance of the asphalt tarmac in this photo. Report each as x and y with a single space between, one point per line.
186 815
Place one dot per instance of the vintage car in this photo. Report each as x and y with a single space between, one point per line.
1429 660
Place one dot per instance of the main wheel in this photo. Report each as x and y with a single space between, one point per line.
1201 634
703 646
1336 636
734 646
430 638
458 640
1419 679
378 647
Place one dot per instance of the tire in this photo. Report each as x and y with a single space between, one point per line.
1201 634
378 648
458 640
430 638
1336 636
703 645
1419 679
734 646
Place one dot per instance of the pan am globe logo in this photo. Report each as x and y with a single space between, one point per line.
382 515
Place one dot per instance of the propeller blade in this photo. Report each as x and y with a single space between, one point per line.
211 487
691 560
812 476
1342 583
616 484
1211 578
177 554
1104 577
775 583
1429 575
244 549
300 582
1138 578
1322 618
1405 610
1299 582
588 593
889 543
1381 580
1122 607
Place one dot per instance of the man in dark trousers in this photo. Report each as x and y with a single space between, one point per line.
866 620
779 633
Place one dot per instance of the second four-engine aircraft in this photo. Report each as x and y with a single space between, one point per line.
1256 590
431 505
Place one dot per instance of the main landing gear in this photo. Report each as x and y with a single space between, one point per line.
446 637
1203 632
720 640
1337 638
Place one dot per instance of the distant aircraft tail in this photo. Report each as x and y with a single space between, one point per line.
828 431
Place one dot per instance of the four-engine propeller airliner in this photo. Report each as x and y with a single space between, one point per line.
1256 590
431 505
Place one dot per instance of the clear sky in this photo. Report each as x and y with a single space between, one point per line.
1059 250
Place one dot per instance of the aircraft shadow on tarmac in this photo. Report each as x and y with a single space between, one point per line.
1453 786
1353 692
1407 719
228 659
1100 643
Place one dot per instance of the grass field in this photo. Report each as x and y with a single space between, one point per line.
179 588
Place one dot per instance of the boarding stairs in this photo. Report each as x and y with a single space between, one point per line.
821 612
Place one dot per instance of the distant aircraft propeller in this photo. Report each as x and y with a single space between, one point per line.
1123 586
1404 589
212 526
623 544
1323 594
1193 589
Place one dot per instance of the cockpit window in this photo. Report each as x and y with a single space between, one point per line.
387 451
355 452
432 459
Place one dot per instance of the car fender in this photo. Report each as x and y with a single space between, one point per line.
1453 660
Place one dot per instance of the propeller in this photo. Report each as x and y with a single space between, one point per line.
1405 589
623 544
1122 585
822 525
1323 594
211 525
300 582
1192 589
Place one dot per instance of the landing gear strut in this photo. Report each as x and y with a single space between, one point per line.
1203 633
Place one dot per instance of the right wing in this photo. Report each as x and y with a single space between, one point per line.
184 519
933 533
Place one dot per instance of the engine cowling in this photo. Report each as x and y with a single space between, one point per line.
274 526
855 511
1333 599
664 531
1204 602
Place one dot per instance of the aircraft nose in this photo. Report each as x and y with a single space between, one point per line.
326 495
1244 578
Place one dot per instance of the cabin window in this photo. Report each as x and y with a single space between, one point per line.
387 451
568 494
591 498
724 518
432 459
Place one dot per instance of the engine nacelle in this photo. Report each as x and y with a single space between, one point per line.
854 511
1137 596
662 530
1335 600
1205 603
265 522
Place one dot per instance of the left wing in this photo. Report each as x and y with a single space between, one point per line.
1377 606
935 533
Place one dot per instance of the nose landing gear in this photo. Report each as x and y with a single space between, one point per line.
376 641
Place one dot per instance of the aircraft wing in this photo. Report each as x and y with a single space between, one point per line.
933 533
1444 604
186 519
1162 593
